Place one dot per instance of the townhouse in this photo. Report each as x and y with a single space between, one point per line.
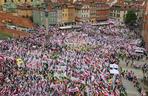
60 12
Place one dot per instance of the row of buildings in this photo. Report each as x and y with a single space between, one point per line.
91 10
59 11
70 12
120 9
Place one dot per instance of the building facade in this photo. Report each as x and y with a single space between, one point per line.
85 13
102 11
68 13
40 19
118 12
120 9
93 15
59 15
63 12
145 34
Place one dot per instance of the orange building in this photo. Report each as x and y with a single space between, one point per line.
102 11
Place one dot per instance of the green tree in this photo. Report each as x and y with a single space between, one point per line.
130 18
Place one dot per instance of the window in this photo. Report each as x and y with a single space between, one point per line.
118 15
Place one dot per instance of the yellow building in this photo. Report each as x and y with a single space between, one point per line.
2 2
68 13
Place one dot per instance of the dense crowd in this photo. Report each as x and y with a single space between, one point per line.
73 62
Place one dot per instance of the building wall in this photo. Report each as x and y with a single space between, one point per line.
64 15
93 14
2 2
68 14
59 16
145 34
102 11
52 17
24 13
85 13
118 12
71 14
39 17
102 14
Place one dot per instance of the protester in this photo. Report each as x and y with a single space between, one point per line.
66 62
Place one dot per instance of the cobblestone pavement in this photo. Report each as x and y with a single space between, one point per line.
131 90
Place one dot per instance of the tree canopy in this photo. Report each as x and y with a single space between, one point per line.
130 18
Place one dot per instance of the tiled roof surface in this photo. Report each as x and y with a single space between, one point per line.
15 33
16 20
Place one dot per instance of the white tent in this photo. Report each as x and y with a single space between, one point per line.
114 72
139 49
65 27
114 66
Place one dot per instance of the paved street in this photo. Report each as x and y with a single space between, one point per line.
131 90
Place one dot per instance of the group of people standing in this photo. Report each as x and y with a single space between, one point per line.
71 62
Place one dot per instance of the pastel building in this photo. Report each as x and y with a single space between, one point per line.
68 13
59 14
40 19
83 12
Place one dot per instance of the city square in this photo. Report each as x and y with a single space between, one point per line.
79 52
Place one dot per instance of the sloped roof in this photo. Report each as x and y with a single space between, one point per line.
16 20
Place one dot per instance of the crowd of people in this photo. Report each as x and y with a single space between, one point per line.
73 62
